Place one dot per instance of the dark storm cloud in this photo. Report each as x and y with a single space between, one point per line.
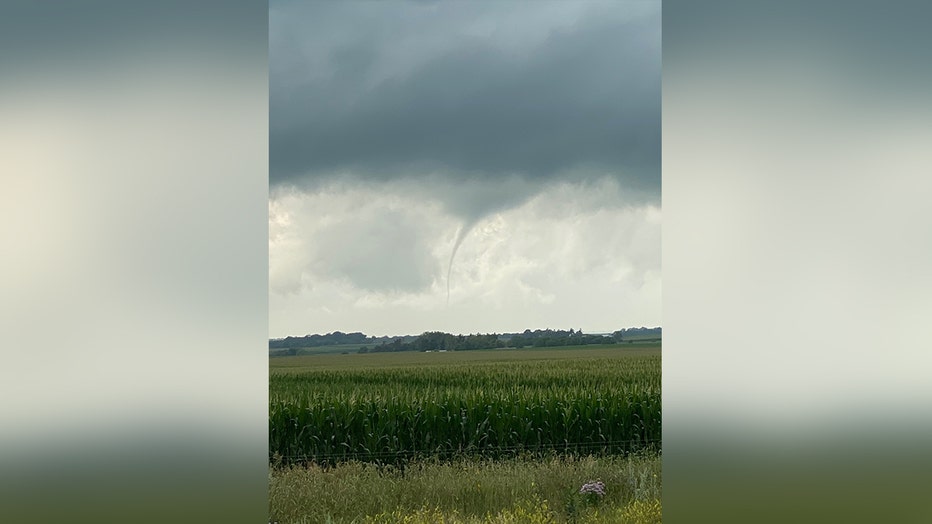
351 95
114 33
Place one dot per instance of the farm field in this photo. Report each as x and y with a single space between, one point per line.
499 435
331 361
334 349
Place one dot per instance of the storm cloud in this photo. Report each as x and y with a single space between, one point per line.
523 136
478 91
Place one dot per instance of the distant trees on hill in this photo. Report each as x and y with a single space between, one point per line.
637 333
440 341
330 339
554 338
558 338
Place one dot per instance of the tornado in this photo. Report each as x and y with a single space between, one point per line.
460 235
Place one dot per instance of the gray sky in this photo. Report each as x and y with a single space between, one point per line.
522 137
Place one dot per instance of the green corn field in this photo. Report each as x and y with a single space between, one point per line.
607 403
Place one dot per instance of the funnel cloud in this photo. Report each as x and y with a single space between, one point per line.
460 235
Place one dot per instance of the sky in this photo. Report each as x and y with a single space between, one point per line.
464 167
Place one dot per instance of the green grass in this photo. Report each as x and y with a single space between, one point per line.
415 358
515 490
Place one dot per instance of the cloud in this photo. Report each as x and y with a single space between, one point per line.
369 240
374 260
478 91
507 150
387 254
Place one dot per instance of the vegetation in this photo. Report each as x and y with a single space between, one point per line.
550 338
439 341
520 490
330 339
599 405
637 334
493 436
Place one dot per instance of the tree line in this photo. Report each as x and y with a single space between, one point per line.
440 341
330 339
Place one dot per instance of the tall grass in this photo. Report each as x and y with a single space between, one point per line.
470 491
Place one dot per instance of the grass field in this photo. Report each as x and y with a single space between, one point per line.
333 360
472 436
333 349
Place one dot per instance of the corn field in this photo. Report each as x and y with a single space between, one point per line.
568 406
